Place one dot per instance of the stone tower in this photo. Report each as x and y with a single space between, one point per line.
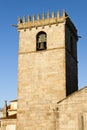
47 68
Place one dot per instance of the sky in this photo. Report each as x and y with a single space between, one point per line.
10 10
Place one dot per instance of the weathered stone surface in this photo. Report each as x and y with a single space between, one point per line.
72 111
47 78
42 74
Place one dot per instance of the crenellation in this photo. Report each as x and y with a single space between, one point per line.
29 18
48 19
33 18
19 20
64 14
38 17
24 19
58 14
43 16
48 15
53 15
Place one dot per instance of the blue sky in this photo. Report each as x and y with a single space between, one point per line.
9 12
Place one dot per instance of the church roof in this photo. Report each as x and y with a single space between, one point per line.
14 116
76 93
14 100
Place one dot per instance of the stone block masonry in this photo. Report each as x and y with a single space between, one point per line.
42 74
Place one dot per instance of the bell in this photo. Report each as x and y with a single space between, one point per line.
42 47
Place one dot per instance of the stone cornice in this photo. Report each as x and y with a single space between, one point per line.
45 20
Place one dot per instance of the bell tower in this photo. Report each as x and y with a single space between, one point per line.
47 68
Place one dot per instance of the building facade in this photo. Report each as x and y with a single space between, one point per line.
47 68
9 116
48 95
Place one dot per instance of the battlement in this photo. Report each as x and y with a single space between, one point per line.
45 19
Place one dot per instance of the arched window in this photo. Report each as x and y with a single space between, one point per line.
41 41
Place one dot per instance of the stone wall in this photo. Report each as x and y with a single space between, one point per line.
41 74
41 77
71 60
72 111
8 124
